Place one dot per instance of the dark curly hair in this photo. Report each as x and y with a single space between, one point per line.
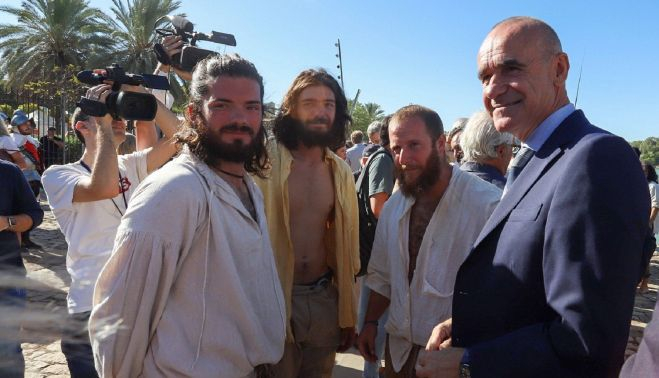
283 129
203 77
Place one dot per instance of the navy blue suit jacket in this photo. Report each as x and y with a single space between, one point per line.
548 288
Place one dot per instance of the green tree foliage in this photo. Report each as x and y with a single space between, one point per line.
134 34
364 114
49 33
649 149
7 109
133 31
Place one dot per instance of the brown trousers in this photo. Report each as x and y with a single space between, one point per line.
315 325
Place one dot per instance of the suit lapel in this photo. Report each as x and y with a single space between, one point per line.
553 148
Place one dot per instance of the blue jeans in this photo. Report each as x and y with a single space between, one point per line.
12 305
371 368
76 347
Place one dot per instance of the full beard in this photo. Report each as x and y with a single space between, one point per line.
428 177
309 137
235 152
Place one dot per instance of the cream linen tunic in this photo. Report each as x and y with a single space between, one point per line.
416 308
191 288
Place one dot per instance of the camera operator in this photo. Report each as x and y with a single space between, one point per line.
88 198
173 45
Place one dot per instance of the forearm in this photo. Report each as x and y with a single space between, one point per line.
19 160
145 135
377 305
166 120
653 214
377 203
106 169
23 223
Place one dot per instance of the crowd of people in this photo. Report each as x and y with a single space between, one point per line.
511 246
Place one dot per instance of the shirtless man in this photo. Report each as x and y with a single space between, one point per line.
312 216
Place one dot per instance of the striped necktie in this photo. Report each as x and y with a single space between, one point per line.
523 157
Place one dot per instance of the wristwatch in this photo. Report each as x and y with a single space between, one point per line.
12 222
465 371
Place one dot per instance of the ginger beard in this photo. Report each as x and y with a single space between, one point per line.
411 187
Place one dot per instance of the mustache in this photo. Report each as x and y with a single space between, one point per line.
320 119
234 127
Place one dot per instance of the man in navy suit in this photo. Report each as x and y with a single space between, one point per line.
548 288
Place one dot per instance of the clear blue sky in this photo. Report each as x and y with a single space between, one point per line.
424 52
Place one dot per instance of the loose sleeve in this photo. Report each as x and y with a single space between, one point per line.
129 298
132 289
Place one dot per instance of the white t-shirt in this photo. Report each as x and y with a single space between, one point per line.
19 141
89 227
8 144
654 202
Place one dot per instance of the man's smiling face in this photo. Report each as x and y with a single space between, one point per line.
518 74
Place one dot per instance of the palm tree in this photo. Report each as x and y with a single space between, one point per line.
374 111
133 31
49 34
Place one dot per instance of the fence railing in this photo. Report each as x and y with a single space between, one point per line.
47 110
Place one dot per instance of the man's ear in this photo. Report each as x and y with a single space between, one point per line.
441 143
562 66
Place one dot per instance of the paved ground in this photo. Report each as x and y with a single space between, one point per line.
48 283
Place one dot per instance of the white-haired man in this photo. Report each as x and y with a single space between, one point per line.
373 132
487 152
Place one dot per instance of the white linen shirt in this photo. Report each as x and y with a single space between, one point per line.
416 308
191 282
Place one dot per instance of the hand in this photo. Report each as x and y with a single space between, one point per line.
347 339
366 342
441 336
173 44
100 93
443 363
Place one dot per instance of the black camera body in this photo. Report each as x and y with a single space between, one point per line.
122 104
190 54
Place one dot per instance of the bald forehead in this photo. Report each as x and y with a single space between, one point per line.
525 30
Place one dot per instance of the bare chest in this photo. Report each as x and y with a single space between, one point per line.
419 219
311 190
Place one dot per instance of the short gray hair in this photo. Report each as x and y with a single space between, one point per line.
479 140
457 127
374 127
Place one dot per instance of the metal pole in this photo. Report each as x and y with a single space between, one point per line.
340 66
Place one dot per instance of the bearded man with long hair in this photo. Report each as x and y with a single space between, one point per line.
192 276
312 215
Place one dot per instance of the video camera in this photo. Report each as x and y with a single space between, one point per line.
190 54
120 104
